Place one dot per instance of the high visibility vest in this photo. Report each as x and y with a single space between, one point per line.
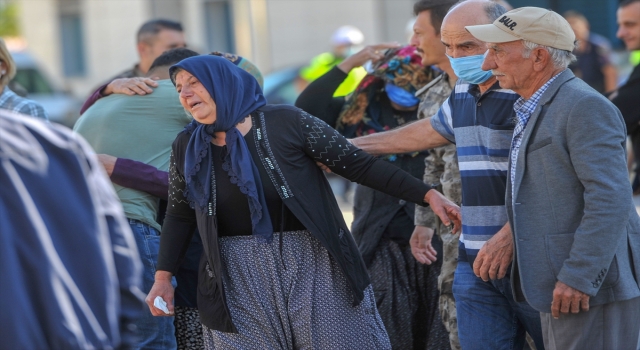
323 63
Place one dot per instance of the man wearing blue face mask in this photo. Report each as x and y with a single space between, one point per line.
469 68
478 118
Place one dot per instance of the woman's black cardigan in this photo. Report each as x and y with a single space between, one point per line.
289 142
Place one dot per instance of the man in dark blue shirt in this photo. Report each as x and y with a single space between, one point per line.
70 272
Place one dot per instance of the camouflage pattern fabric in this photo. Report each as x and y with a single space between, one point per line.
441 171
450 319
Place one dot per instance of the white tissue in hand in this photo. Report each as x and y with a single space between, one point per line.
161 304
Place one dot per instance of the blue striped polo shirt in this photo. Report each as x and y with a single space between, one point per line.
481 126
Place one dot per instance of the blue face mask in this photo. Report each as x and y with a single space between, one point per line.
468 68
400 96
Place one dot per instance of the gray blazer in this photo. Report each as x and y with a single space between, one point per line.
573 216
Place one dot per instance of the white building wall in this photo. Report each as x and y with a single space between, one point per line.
301 29
193 24
393 24
40 29
109 29
110 43
272 33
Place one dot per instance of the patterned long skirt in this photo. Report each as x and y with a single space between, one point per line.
188 328
407 297
292 295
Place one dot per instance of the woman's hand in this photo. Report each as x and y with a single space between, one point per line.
162 288
421 247
131 86
371 53
446 210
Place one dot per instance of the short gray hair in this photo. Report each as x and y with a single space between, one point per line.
494 10
561 58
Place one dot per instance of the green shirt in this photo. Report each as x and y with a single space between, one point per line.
136 127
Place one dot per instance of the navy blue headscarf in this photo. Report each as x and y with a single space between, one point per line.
236 94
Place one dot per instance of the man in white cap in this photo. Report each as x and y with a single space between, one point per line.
576 230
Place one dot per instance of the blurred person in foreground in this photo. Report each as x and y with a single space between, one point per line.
69 269
345 41
593 55
9 100
406 292
626 97
478 118
280 268
567 151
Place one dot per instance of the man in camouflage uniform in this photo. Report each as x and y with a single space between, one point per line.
441 170
441 165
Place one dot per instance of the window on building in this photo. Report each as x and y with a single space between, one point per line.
219 25
71 39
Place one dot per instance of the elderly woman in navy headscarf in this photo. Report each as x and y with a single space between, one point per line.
280 268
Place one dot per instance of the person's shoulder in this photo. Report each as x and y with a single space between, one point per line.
165 85
281 111
461 86
440 82
100 111
182 139
284 119
583 99
634 77
22 105
579 88
31 107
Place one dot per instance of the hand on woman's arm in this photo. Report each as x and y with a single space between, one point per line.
130 86
127 86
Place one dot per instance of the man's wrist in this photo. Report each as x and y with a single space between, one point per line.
106 90
345 66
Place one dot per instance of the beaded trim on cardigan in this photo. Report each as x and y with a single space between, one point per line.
268 160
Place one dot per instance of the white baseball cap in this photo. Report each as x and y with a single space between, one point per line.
347 35
534 24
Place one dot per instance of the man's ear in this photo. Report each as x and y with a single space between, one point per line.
541 58
142 48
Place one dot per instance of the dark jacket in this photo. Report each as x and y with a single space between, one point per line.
373 211
627 100
288 144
